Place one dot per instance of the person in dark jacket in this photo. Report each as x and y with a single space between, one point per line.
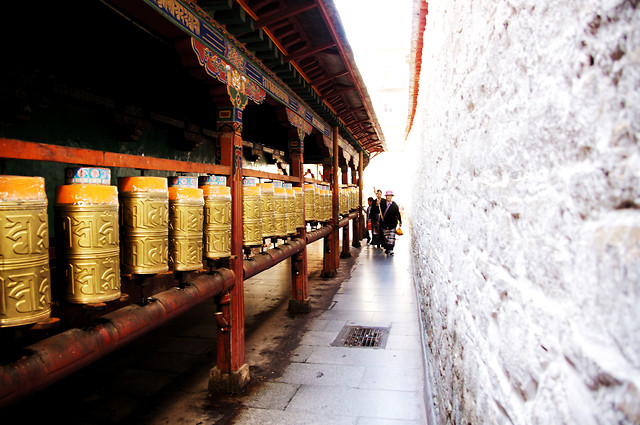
376 217
391 219
367 234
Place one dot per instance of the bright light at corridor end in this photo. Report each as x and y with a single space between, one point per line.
393 171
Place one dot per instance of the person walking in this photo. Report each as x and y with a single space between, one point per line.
367 232
390 220
376 218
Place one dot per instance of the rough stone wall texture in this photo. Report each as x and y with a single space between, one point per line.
527 221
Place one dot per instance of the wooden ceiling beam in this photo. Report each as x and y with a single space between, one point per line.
278 15
309 51
326 78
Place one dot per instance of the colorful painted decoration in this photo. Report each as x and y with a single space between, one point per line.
239 87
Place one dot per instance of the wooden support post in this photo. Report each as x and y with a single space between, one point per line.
231 373
299 302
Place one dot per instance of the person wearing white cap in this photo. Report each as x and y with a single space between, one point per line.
390 220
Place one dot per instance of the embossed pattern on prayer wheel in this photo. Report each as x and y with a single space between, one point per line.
280 207
309 203
25 286
88 241
267 194
217 217
318 203
290 212
354 199
186 213
251 213
144 224
321 208
299 206
327 203
343 201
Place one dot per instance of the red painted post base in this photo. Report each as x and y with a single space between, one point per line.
299 306
234 382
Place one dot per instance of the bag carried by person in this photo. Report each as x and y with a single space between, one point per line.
399 231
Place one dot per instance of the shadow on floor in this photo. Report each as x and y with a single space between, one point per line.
162 377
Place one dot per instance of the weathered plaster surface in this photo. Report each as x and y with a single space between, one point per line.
527 220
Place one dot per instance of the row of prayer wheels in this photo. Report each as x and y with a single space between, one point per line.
275 209
318 198
349 199
271 209
144 225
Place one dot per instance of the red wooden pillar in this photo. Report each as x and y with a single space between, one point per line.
299 302
329 258
231 373
345 253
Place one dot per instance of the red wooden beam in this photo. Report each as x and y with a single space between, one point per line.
19 149
265 175
309 51
278 15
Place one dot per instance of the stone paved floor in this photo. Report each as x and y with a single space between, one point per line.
328 384
297 375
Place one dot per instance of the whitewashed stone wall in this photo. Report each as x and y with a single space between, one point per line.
527 220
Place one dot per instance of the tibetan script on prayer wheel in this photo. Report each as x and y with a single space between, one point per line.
88 242
251 213
25 292
144 224
217 218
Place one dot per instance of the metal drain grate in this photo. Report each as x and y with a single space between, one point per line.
362 336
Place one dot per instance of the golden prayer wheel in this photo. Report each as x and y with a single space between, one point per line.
251 212
280 207
144 224
344 200
186 211
25 286
327 203
88 241
309 202
318 203
354 198
217 217
321 212
299 206
267 194
347 200
290 212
